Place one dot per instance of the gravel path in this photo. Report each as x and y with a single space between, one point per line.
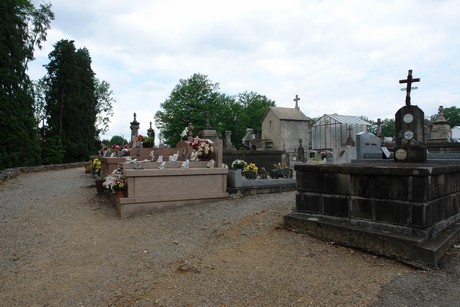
63 245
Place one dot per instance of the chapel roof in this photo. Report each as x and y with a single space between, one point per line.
288 114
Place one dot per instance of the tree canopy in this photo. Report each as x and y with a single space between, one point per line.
191 98
71 103
22 27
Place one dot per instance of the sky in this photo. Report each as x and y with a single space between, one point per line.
343 57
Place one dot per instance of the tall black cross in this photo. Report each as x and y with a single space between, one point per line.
409 82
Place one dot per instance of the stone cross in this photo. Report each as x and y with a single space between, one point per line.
206 119
379 127
296 99
409 82
350 141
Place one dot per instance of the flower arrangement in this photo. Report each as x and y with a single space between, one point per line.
115 181
251 167
97 166
239 164
203 147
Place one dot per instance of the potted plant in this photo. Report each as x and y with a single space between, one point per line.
96 167
250 171
239 164
116 183
280 171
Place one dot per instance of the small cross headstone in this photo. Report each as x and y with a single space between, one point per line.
410 133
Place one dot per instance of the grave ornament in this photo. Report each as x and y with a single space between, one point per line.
410 134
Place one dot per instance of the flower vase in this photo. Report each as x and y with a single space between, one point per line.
120 194
250 175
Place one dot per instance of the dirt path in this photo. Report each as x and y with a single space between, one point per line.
62 245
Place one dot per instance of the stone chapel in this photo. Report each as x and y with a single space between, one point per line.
282 128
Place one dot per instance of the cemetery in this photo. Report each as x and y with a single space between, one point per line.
398 198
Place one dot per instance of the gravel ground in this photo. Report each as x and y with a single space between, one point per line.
63 245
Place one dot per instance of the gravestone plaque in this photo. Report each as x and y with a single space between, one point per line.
410 134
368 146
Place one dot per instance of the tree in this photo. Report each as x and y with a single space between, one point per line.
22 27
117 140
388 127
187 103
104 108
71 107
39 91
192 97
254 107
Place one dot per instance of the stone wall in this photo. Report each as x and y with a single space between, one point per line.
14 172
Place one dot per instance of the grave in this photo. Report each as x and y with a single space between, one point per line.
368 146
404 210
165 178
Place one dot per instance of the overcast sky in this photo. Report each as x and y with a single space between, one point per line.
342 57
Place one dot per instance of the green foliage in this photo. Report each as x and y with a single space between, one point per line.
71 107
388 127
22 26
252 109
104 108
52 150
118 140
191 98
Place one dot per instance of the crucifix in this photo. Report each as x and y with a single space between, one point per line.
296 99
409 82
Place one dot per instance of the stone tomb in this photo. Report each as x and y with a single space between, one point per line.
409 212
151 189
368 146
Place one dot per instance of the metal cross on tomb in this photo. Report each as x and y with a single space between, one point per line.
409 82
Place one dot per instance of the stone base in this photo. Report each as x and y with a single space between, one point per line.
410 212
239 185
151 190
413 250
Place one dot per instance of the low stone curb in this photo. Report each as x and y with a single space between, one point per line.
10 173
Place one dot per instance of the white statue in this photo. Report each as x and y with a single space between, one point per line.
160 159
162 165
185 164
173 158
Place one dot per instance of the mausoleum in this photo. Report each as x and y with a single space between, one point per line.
283 127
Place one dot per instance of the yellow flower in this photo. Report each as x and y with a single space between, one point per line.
251 167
